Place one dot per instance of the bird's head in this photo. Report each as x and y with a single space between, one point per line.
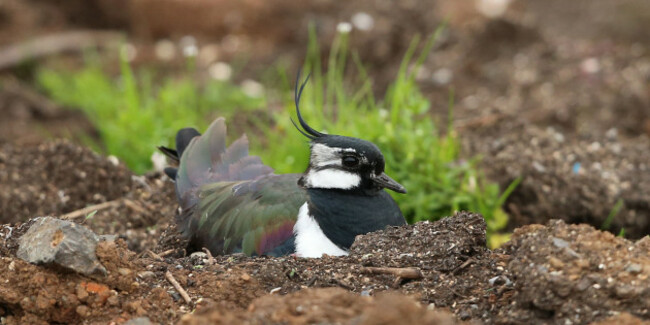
342 163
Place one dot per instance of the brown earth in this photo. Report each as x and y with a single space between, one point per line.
554 92
578 179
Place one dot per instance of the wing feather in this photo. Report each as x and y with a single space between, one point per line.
254 217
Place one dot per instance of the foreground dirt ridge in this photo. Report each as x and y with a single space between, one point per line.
429 273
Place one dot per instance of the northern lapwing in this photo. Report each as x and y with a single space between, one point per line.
231 202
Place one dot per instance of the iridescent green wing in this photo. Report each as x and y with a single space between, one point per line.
254 217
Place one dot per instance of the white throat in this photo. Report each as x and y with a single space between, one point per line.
310 239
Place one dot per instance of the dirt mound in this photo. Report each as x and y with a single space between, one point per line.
575 274
557 273
55 178
36 294
58 178
578 180
330 305
449 256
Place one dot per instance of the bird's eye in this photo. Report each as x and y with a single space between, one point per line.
350 161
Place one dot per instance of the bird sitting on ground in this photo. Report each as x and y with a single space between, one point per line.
232 203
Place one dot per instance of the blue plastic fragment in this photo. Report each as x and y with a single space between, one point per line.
576 167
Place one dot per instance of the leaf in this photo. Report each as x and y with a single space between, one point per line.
90 215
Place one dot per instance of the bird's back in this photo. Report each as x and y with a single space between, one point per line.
232 202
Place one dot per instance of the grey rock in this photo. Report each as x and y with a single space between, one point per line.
560 243
60 242
108 238
634 268
139 321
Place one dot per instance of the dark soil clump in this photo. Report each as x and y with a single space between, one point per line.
55 178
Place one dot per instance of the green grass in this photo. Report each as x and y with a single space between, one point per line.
134 115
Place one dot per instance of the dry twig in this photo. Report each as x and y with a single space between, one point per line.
44 46
167 252
462 266
85 211
155 256
177 286
135 206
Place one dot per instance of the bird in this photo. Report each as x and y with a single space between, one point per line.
230 202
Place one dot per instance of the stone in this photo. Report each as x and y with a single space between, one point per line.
60 242
139 321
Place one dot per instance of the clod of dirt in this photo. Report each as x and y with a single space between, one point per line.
55 178
576 274
324 306
441 246
60 242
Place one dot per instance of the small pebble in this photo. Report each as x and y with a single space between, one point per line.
113 301
145 275
176 296
633 268
560 243
626 291
199 255
464 315
82 310
555 262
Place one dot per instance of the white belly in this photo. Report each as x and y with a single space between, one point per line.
310 239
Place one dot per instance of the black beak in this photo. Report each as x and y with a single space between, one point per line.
384 181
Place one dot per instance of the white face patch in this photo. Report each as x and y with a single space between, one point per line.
310 239
331 178
322 155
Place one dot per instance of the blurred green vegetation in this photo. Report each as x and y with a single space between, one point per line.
134 116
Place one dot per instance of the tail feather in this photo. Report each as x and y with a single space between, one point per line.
171 172
170 153
206 159
202 153
183 138
236 151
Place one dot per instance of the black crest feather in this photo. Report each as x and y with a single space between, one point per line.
306 130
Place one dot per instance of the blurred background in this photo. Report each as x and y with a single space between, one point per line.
522 110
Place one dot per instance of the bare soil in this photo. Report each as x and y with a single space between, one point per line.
554 92
578 179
